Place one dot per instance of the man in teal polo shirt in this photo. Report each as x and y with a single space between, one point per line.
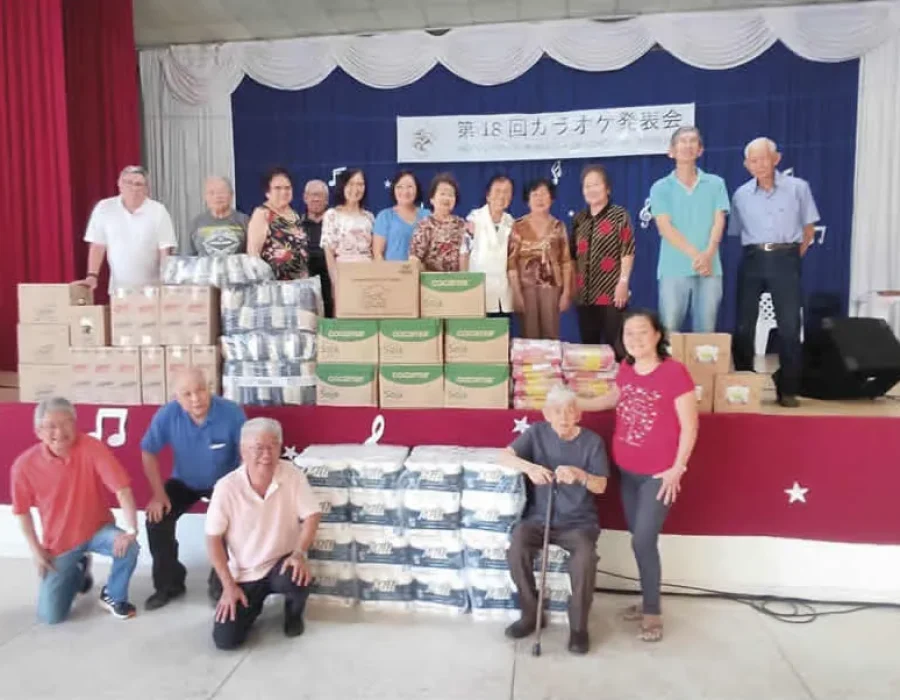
204 432
689 207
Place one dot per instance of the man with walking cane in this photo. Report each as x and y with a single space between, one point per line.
566 466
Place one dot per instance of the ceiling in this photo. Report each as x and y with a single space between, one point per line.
163 22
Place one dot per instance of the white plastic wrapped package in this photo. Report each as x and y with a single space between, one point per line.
324 466
482 471
376 466
385 587
525 351
258 346
376 544
440 591
334 503
492 595
333 582
375 507
216 270
431 510
557 560
493 511
434 468
270 383
485 550
272 306
590 358
436 549
557 593
333 542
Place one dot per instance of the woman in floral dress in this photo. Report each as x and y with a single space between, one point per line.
274 233
440 242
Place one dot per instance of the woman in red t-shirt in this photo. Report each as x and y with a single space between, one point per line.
656 428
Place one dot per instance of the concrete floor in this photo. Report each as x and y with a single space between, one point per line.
713 649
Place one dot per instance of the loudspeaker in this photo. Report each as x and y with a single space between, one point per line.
850 358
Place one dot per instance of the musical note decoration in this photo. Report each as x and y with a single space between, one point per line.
377 430
120 415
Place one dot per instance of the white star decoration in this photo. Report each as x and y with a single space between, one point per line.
571 213
387 184
289 453
521 424
796 493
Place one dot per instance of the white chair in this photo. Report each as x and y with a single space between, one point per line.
765 322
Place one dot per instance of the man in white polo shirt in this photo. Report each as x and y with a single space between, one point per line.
133 232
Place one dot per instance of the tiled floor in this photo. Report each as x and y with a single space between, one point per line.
713 649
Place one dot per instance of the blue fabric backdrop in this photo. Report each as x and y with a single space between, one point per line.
808 108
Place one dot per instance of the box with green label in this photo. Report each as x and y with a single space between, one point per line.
476 386
478 340
347 340
411 341
411 386
343 384
452 294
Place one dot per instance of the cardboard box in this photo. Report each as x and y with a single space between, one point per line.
476 340
449 294
411 341
189 315
135 316
707 353
739 392
82 376
39 382
704 390
153 376
411 386
103 387
346 384
50 303
178 358
347 341
89 326
43 344
677 346
208 359
377 290
476 386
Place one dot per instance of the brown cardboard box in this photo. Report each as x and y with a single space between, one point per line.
208 359
189 315
677 346
153 375
347 341
477 340
83 375
135 316
41 344
739 392
410 341
39 382
411 386
476 386
704 390
178 357
377 290
89 326
103 389
707 353
50 303
346 384
449 294
127 376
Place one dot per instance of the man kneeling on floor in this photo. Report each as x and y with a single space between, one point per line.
65 477
265 515
558 454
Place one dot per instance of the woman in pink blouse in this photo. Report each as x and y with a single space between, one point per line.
347 227
440 242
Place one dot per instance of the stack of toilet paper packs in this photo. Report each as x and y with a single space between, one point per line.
589 370
216 270
536 368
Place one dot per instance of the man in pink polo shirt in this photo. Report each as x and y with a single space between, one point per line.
65 477
261 520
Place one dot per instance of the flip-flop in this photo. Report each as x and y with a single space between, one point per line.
633 613
651 633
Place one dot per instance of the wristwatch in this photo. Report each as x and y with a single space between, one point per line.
131 531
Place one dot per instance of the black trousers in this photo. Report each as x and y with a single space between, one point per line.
318 266
233 633
581 543
600 325
169 574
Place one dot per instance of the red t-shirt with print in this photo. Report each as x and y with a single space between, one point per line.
647 427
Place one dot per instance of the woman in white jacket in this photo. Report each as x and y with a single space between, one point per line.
489 227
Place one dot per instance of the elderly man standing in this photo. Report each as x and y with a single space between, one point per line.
221 229
775 216
315 197
133 232
204 433
261 522
558 454
689 207
65 477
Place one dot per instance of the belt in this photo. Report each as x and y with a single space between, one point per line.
769 247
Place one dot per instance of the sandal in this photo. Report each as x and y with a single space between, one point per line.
651 632
633 613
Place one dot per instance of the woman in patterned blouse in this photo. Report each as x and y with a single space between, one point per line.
603 247
274 233
347 227
440 242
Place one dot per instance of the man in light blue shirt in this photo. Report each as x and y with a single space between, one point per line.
775 216
689 207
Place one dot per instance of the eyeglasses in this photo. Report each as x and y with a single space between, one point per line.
134 183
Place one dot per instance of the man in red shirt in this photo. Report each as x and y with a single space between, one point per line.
64 476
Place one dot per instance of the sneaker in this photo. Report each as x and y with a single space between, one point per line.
121 609
579 642
788 401
87 581
160 599
523 627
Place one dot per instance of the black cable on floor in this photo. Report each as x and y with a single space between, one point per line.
801 611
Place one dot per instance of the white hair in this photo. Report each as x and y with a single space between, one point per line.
219 178
134 170
760 141
560 395
261 426
55 404
312 184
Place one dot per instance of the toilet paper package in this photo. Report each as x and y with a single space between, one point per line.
557 560
271 306
333 542
485 550
492 595
216 270
482 471
376 544
256 346
324 466
375 507
431 510
496 512
385 586
440 590
333 582
376 466
434 468
437 549
335 504
557 593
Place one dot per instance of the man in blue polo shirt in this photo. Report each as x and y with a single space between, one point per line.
689 207
204 432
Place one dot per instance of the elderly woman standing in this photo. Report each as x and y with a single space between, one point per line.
347 227
603 247
539 264
490 227
275 233
394 226
440 242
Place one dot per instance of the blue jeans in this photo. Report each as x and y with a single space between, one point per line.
702 294
59 588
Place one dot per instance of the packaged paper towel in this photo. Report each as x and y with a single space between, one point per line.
376 544
375 507
485 550
333 582
256 346
324 465
482 471
216 270
333 542
492 594
434 468
497 512
385 586
431 510
557 560
440 549
441 591
376 466
335 504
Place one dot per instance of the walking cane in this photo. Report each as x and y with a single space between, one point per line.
545 552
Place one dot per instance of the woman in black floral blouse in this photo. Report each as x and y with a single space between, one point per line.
275 233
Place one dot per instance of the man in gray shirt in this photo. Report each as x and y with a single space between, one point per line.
220 230
558 454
